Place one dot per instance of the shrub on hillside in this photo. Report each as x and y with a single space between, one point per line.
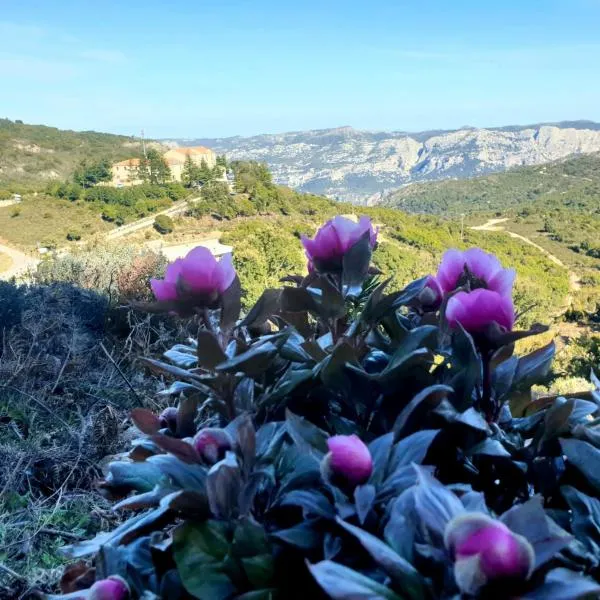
73 236
339 441
164 224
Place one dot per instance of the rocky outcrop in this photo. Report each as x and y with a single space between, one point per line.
363 167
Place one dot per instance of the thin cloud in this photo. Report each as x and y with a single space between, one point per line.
26 67
106 56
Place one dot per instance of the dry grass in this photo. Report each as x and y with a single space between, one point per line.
42 218
5 262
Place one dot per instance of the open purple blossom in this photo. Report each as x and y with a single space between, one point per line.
326 250
199 275
484 550
476 269
478 309
113 588
348 459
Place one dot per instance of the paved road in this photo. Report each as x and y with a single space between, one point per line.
21 262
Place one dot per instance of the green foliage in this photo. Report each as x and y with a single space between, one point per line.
158 169
73 236
90 173
164 224
32 154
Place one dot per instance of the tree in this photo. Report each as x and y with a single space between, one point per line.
222 161
191 172
205 173
89 174
159 171
143 170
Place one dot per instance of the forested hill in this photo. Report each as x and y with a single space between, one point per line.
34 154
572 182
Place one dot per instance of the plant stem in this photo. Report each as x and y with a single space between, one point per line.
487 403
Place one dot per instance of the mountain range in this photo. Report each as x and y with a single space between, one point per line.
365 166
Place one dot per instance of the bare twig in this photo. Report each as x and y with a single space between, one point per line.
12 573
62 370
58 532
116 366
39 403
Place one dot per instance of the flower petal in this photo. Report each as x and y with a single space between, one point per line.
224 273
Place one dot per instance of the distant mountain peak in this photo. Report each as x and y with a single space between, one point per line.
363 166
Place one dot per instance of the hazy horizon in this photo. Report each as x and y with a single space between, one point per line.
198 69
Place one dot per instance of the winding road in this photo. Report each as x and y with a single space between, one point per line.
494 225
21 262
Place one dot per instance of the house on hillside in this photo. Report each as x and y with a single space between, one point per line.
176 157
125 173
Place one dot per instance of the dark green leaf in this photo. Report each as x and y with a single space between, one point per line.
182 450
313 503
489 447
435 505
425 400
305 434
563 584
254 361
402 573
231 305
355 266
342 583
585 520
181 359
199 550
534 366
209 352
304 536
584 457
364 497
266 306
412 449
223 487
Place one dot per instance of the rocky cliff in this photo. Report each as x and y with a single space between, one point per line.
362 166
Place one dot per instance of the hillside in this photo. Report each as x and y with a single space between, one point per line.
362 166
31 155
569 182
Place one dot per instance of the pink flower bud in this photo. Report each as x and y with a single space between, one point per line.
113 588
474 268
212 444
198 276
348 459
168 418
326 250
431 295
478 309
484 550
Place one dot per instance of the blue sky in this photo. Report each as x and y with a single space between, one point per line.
225 67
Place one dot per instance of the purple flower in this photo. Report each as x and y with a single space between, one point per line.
484 550
326 250
348 459
113 588
168 418
198 275
476 310
476 268
212 444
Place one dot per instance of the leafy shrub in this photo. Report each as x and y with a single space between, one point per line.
339 441
73 236
15 212
164 224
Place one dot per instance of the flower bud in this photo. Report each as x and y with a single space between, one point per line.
431 295
212 444
484 550
168 419
113 588
348 460
326 250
